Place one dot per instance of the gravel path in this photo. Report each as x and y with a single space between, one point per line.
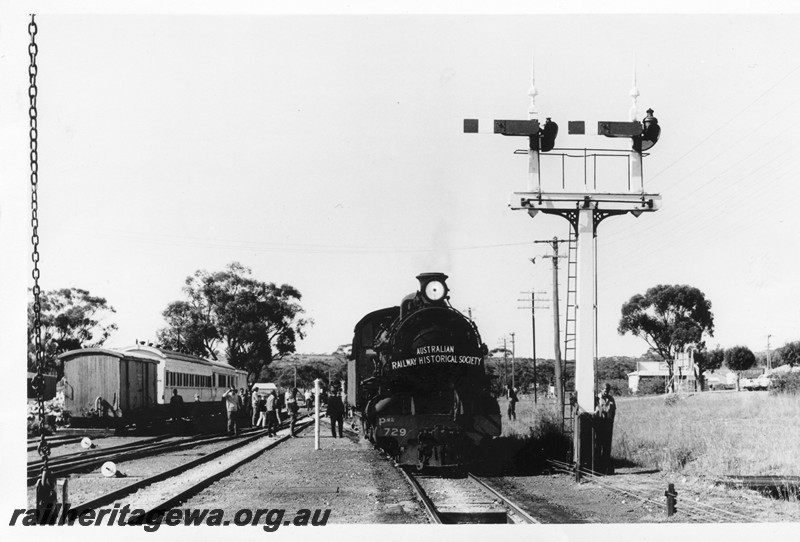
346 476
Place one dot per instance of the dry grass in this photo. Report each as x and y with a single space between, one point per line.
532 419
711 433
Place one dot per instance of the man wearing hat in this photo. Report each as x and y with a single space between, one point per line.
336 411
231 399
603 430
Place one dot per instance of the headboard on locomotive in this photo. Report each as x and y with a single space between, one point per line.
124 381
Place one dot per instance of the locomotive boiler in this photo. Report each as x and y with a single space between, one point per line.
417 380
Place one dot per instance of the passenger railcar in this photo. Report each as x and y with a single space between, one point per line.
417 378
190 375
129 384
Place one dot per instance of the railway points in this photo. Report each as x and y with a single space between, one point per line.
156 462
172 491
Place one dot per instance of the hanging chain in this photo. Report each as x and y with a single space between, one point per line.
46 498
38 383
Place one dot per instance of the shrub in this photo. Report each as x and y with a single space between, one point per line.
54 413
788 383
619 386
652 386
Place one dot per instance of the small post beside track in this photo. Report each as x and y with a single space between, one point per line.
672 500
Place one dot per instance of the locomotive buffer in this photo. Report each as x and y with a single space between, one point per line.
584 208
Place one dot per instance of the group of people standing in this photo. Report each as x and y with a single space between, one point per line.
263 409
260 409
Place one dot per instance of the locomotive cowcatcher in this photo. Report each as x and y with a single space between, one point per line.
417 380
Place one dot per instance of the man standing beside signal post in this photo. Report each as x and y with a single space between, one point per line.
604 430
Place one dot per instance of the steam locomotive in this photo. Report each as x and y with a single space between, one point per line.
417 380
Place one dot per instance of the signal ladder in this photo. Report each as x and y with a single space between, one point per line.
569 408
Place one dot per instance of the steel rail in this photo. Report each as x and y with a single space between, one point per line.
696 509
32 445
508 503
182 496
96 452
430 508
78 464
110 497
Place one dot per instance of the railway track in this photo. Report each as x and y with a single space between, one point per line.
33 444
89 459
690 512
467 499
161 492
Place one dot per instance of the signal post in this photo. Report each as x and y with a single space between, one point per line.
584 210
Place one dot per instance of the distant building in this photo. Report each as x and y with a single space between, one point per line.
684 372
646 370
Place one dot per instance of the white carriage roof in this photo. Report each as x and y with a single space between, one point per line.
106 352
163 353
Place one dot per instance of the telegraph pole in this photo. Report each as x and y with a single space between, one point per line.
533 308
513 355
505 363
559 365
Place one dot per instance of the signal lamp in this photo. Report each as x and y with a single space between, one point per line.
650 133
547 136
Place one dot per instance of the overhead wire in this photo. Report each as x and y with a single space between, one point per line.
735 116
679 238
748 156
172 240
773 171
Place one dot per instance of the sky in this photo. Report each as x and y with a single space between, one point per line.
326 151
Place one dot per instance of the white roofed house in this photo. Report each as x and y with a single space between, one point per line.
647 370
684 372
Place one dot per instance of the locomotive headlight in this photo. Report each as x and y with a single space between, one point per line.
435 290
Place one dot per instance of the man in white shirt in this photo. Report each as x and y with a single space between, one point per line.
232 407
272 420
